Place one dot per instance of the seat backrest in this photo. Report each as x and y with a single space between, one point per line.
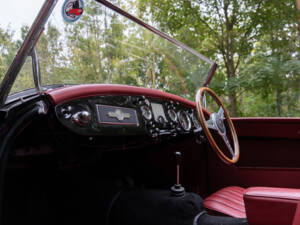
267 205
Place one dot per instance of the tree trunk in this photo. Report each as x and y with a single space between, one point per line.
298 8
232 92
229 58
233 103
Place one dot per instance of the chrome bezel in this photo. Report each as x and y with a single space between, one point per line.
186 115
145 108
194 118
175 118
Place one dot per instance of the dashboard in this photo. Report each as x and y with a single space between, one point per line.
115 115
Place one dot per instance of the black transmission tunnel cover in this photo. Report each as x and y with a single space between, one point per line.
154 207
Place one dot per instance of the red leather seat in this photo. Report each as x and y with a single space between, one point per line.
267 205
228 201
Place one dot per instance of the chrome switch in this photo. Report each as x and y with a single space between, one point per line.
82 117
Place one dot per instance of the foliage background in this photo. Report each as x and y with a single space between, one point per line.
255 42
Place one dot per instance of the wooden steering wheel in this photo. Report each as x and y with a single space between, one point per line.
216 122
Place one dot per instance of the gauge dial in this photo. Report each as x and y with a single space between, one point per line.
196 121
172 114
184 120
147 102
146 112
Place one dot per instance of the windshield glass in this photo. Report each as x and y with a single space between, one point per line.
106 47
14 24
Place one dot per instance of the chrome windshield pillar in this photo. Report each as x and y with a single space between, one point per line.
26 49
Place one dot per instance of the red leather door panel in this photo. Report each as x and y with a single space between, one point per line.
270 155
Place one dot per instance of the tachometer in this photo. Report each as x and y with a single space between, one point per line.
184 120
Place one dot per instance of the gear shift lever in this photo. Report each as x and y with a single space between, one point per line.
177 189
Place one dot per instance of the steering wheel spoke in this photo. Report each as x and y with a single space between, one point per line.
225 139
221 113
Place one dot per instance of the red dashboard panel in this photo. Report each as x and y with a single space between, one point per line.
68 93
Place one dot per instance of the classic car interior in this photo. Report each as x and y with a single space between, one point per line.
117 154
69 152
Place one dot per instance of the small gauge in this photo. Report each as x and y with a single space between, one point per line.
146 112
196 121
172 114
147 102
184 120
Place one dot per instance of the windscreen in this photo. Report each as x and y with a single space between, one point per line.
15 19
103 46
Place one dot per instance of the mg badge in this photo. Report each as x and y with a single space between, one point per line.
118 114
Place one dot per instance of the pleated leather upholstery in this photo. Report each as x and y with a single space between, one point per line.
228 201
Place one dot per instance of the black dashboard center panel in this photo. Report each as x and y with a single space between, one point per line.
127 115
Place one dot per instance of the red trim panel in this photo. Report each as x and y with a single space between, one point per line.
274 206
68 93
269 142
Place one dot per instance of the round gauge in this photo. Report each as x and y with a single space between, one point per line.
184 120
146 112
196 121
147 102
172 114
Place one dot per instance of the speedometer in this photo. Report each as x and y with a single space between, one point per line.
184 120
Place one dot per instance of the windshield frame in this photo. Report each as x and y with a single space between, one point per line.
26 48
37 29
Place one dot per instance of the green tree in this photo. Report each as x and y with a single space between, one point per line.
222 29
7 50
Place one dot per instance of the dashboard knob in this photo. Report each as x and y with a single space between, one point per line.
81 118
66 112
161 120
151 124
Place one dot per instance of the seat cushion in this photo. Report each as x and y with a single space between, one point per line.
228 201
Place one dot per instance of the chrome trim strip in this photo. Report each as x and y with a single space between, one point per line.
31 39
